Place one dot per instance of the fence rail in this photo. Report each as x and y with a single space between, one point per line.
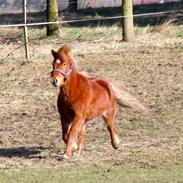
25 24
88 19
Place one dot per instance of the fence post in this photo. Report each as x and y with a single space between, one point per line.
127 24
25 29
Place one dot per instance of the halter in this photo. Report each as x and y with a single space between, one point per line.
65 74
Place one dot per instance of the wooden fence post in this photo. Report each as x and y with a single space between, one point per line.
128 27
25 29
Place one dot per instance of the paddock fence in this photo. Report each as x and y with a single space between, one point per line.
26 24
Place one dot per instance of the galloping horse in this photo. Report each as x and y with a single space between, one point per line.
83 98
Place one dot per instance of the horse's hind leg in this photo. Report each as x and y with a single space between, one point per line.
109 118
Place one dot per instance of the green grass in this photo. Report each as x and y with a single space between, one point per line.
93 174
92 33
179 32
89 33
77 33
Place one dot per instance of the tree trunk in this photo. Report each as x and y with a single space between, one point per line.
52 16
73 5
127 24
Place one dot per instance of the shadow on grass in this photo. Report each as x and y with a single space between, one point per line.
25 152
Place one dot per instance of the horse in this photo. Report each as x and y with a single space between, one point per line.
83 98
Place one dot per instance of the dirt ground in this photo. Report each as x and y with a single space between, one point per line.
151 69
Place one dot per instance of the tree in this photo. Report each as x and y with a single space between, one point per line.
127 24
52 16
72 5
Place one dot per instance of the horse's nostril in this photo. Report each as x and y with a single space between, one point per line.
56 81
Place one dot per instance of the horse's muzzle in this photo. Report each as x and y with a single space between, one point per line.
56 82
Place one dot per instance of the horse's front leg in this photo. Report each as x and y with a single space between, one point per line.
73 136
65 129
81 139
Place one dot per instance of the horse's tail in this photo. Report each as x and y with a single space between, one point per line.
124 99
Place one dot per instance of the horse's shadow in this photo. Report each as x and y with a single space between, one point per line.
24 152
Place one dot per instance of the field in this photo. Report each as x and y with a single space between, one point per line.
30 134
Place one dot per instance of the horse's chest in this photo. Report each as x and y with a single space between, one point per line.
65 109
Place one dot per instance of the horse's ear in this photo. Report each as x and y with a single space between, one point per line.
54 53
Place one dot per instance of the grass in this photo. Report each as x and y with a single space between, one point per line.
98 33
92 174
179 33
88 33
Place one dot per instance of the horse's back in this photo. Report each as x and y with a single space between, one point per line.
102 98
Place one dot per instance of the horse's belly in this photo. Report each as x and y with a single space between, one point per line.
96 111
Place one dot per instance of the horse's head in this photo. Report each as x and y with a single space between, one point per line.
62 65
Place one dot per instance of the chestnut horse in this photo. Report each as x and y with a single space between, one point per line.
82 98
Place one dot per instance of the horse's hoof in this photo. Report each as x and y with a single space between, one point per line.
116 144
75 147
63 157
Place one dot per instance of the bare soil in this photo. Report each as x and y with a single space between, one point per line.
151 69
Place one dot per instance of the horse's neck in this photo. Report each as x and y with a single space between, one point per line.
71 84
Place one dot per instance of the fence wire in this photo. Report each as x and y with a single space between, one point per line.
89 19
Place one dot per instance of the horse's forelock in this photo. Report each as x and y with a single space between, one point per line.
66 48
65 53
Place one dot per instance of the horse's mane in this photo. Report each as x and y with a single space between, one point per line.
85 74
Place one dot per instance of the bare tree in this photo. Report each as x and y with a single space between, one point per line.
127 24
52 16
